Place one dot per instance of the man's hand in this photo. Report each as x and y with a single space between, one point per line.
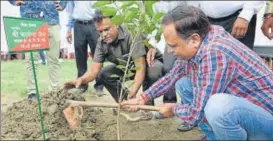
151 56
167 109
129 104
19 2
239 28
267 24
58 6
69 37
76 83
131 96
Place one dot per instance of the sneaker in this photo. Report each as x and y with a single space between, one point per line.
185 127
83 89
99 93
203 138
157 115
32 97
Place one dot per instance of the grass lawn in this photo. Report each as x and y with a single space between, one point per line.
13 77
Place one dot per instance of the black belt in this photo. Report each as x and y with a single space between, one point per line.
84 22
225 18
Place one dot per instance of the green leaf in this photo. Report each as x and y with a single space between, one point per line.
121 67
121 60
131 14
158 17
130 74
129 83
149 7
136 68
158 34
146 43
136 60
114 76
117 20
127 4
101 3
108 11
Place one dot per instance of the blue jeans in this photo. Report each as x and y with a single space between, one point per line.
42 56
230 117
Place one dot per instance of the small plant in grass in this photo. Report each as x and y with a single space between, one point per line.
140 19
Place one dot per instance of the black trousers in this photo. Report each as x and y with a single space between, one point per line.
113 84
227 23
84 35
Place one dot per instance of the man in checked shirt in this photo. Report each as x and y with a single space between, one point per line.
225 87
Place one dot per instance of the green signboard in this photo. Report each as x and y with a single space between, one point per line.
25 34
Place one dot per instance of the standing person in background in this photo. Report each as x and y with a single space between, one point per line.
42 56
33 9
268 20
41 52
237 17
80 16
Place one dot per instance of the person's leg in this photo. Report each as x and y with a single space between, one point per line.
183 89
152 75
92 38
80 44
235 118
53 64
184 92
42 56
31 90
112 84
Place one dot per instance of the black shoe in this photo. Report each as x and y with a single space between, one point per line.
99 93
32 97
185 127
83 89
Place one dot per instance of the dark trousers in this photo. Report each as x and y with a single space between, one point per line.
168 59
113 84
84 35
227 23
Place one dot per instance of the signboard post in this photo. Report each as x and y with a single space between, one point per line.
28 35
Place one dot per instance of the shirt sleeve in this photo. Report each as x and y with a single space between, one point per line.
12 2
63 4
69 10
99 55
269 7
216 72
250 8
165 83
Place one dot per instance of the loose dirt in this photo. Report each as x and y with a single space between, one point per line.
22 121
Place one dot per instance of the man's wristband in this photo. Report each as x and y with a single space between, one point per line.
268 15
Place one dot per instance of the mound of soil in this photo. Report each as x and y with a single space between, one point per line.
22 120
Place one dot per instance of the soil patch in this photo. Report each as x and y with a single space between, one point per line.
21 121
